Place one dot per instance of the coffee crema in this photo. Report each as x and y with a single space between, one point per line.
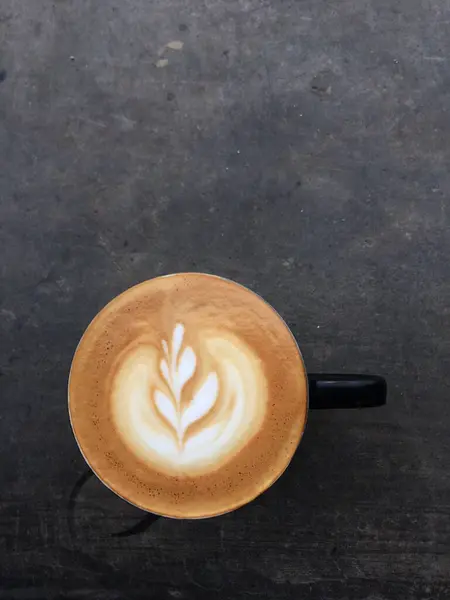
188 395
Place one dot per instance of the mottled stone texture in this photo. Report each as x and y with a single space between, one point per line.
299 147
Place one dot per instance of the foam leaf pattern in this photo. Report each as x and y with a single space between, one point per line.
184 419
165 371
186 366
177 368
202 402
177 340
166 408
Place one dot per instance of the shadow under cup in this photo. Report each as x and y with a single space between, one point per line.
140 482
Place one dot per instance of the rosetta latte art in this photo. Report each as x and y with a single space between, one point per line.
189 409
177 371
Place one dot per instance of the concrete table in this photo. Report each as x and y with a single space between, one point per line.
300 148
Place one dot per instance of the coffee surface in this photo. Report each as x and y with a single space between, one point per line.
188 395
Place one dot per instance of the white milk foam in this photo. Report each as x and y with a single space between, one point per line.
189 410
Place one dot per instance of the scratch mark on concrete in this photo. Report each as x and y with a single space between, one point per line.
268 75
126 123
92 122
106 246
7 314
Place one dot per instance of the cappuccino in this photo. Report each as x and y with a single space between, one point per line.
188 395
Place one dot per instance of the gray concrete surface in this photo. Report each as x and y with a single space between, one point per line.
301 148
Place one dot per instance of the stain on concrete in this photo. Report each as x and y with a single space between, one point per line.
322 83
161 63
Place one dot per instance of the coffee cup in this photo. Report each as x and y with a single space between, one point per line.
188 395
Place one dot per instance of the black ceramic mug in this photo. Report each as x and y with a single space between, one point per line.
188 395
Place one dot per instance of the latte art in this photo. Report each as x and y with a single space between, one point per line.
187 395
177 369
181 416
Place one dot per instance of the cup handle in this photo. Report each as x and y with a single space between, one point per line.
346 391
